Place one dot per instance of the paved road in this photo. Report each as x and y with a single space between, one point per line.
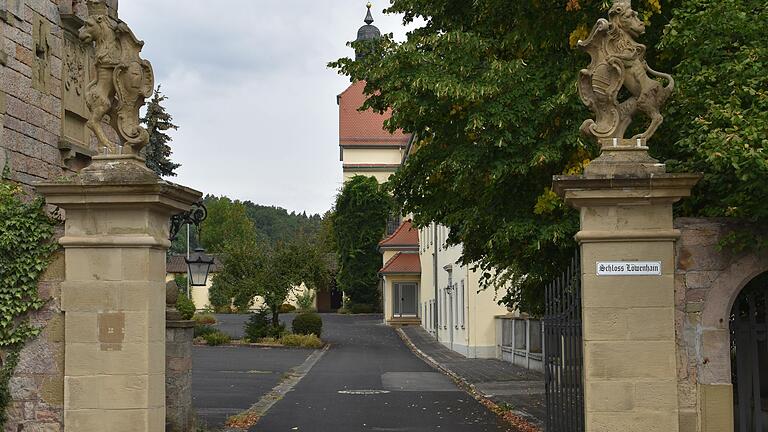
233 324
366 355
228 380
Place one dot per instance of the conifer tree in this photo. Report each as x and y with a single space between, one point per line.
158 121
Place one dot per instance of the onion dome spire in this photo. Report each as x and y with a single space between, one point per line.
367 32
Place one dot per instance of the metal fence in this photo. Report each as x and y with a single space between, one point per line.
563 357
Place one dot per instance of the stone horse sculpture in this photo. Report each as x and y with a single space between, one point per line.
618 61
123 80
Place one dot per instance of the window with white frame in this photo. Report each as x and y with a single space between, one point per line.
462 299
455 306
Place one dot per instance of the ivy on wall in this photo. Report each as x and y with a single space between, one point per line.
26 247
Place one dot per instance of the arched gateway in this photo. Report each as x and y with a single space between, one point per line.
749 356
722 362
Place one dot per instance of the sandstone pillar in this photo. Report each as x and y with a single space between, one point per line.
630 375
113 296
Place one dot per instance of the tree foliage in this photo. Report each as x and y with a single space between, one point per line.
269 271
718 121
227 225
359 224
158 121
488 87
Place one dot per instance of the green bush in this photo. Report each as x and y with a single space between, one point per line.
362 309
308 323
301 341
306 301
216 338
185 306
202 330
259 326
286 308
204 318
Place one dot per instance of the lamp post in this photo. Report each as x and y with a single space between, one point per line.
198 266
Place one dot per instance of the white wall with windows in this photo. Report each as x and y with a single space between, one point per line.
458 312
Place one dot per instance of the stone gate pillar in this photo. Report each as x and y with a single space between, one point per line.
627 249
113 296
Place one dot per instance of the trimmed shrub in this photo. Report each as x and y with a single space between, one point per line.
308 323
259 326
216 338
202 330
301 341
204 318
362 308
286 308
306 301
185 306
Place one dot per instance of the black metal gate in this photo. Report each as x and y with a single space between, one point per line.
749 345
563 358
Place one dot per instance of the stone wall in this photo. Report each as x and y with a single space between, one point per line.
43 73
37 388
707 281
178 375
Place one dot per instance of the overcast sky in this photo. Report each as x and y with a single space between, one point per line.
248 86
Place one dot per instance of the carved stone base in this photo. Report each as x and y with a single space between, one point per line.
624 158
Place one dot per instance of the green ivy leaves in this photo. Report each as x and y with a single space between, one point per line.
26 246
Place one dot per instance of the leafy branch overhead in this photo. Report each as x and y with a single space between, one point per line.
488 87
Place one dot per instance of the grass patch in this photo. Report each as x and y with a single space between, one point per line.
302 341
204 318
216 338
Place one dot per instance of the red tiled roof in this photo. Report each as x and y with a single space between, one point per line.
402 263
176 264
405 236
366 127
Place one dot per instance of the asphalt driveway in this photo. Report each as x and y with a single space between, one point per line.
370 381
228 380
367 381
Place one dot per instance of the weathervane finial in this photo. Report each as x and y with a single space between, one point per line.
369 17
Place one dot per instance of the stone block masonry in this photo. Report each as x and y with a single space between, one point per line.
35 73
708 279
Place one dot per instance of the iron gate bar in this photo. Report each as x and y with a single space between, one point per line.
563 351
747 331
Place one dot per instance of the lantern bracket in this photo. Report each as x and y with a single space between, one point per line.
194 216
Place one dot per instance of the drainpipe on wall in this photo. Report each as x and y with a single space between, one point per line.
434 279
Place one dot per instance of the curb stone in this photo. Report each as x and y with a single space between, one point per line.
517 422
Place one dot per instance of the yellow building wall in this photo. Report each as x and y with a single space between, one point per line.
390 156
381 176
387 293
199 295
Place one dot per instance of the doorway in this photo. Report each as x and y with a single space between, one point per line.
749 356
405 300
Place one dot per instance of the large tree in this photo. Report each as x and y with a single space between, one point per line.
227 225
269 271
488 87
158 151
359 224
